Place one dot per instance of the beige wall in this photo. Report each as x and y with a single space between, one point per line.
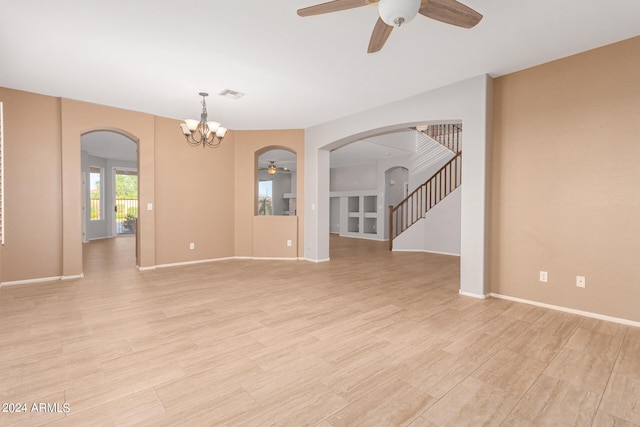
247 144
194 197
270 236
33 197
566 182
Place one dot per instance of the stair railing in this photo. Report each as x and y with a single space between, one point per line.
422 199
447 134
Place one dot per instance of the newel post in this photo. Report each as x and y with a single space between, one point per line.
390 228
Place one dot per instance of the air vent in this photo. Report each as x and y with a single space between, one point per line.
228 93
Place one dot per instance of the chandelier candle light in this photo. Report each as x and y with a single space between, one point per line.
201 131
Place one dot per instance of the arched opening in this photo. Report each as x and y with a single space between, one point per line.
377 171
468 101
276 182
109 164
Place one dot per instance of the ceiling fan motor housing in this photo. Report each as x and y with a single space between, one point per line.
398 12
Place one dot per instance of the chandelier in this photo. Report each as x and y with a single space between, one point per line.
201 131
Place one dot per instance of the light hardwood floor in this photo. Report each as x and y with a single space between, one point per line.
369 338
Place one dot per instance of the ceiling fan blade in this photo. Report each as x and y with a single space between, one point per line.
451 12
379 36
332 6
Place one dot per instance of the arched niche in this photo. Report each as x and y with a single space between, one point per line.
275 182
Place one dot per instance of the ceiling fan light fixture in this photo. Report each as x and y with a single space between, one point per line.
398 12
272 169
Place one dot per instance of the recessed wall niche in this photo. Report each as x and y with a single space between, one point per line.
276 182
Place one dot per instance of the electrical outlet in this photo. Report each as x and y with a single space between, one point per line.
289 243
192 245
544 276
581 282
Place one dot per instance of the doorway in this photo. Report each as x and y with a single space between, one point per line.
125 195
110 185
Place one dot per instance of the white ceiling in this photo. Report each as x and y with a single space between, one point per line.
371 150
281 158
155 56
110 145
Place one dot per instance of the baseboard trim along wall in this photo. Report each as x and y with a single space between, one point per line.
317 261
41 280
424 251
569 310
469 294
200 261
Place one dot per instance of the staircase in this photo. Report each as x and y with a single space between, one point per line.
442 183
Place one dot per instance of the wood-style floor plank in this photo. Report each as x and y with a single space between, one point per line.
369 338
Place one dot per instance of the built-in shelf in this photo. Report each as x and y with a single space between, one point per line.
370 226
359 214
353 204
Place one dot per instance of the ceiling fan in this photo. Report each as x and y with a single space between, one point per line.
394 13
272 169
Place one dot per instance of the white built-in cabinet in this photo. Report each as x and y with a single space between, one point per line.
359 214
290 202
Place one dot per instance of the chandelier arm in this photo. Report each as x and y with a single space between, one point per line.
214 144
192 142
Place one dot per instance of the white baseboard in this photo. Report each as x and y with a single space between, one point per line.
41 280
200 261
425 251
317 261
363 236
75 276
569 310
469 294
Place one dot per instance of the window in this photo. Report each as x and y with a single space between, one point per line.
265 202
95 192
126 201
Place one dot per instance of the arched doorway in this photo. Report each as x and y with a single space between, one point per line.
468 101
109 164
